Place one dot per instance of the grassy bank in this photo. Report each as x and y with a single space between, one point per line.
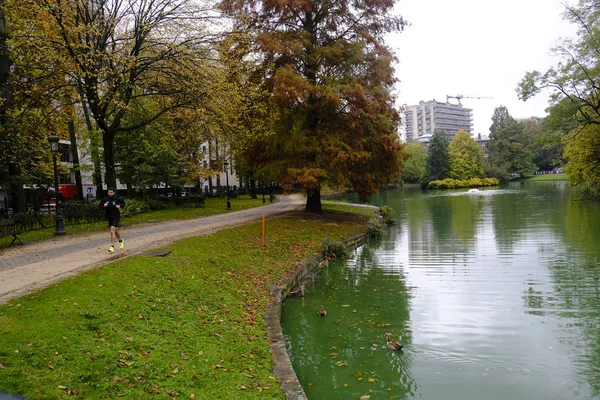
212 206
549 177
189 325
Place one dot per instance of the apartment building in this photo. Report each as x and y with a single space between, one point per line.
423 119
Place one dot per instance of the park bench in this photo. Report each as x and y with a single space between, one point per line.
8 228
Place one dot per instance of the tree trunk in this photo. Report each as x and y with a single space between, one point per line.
110 176
313 201
97 175
6 104
75 155
253 189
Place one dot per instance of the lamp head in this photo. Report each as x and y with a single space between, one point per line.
53 140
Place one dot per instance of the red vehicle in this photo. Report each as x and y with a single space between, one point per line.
68 191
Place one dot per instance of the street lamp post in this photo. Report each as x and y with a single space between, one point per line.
226 167
58 218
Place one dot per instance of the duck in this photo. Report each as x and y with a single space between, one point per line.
392 344
301 289
322 312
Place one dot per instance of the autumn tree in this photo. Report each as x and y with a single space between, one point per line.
123 53
33 96
330 75
465 157
414 166
438 162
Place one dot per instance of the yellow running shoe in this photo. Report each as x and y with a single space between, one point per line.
121 244
111 249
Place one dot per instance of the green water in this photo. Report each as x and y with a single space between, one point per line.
495 295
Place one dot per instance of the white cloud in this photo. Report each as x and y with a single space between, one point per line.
476 48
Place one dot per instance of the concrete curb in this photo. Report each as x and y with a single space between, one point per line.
284 370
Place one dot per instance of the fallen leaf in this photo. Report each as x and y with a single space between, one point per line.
2 366
176 370
61 387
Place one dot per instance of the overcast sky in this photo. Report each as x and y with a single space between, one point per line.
477 48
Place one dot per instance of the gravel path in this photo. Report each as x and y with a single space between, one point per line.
31 267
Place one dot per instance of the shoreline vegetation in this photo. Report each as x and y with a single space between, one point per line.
189 325
450 183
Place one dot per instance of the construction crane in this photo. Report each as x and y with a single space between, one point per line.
459 97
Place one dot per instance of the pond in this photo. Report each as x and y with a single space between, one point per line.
495 294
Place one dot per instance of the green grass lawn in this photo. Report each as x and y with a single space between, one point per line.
189 325
549 177
212 206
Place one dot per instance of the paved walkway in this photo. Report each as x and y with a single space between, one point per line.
27 268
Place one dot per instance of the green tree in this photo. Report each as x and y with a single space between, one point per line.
331 76
581 149
561 120
465 156
414 166
575 94
509 146
438 162
545 150
500 118
576 76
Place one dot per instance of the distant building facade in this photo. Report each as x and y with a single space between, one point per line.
482 141
427 117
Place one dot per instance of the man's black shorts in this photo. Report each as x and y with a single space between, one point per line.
113 221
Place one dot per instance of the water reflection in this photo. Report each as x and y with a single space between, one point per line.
495 292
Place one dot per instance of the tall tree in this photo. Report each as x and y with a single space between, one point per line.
465 156
122 52
575 92
500 118
509 146
576 77
32 99
438 162
331 78
8 165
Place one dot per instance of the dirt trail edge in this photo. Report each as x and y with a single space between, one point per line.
24 269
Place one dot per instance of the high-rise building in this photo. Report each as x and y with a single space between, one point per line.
427 117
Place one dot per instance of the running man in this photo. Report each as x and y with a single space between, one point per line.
112 204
